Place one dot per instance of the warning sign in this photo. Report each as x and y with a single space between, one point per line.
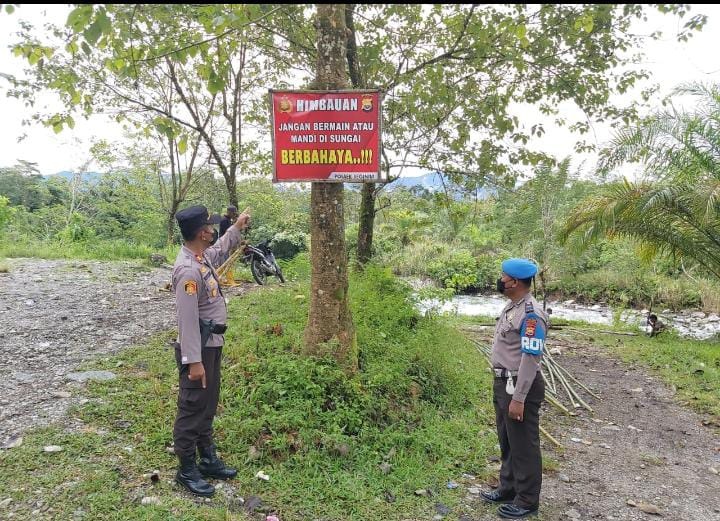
326 136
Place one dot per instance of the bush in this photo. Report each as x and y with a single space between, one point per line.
285 245
458 271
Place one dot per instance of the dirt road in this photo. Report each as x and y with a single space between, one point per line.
640 450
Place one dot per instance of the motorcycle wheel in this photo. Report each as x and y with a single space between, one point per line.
279 274
258 272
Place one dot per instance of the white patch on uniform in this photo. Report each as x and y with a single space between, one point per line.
535 345
184 358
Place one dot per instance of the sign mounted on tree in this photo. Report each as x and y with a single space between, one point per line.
326 136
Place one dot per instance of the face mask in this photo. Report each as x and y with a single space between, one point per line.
500 285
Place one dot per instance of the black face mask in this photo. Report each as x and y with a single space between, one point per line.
500 285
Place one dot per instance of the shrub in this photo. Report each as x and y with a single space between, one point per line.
458 271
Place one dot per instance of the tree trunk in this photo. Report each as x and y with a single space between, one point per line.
330 329
231 184
366 224
171 222
367 203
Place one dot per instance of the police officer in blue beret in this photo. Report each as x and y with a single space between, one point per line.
518 391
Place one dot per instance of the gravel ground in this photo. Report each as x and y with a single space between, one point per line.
56 315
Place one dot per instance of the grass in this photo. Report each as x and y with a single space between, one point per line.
690 366
421 403
91 250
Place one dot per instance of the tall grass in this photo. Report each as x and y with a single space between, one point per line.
98 250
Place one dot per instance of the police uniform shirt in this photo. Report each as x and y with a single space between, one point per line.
198 294
519 341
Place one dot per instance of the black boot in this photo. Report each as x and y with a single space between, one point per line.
189 477
212 466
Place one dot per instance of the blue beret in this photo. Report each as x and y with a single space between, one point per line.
519 268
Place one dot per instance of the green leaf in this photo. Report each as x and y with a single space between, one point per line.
9 9
86 48
215 83
79 17
182 145
57 127
520 32
92 34
34 57
70 122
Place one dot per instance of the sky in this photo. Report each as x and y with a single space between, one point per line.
670 63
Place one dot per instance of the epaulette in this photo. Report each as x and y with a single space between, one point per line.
529 307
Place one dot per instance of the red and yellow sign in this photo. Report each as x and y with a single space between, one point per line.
326 136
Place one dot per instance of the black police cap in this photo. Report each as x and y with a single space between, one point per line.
195 217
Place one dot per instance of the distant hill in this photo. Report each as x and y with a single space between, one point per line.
432 182
87 177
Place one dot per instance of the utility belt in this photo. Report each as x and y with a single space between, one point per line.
207 327
501 372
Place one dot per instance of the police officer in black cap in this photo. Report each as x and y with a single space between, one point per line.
201 317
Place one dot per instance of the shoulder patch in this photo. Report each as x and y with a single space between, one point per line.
190 287
530 325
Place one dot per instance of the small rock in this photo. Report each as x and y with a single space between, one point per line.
13 442
474 490
636 390
633 428
605 446
576 440
572 514
611 428
713 470
385 467
44 344
91 375
642 465
29 302
421 492
253 503
649 508
219 486
452 485
261 475
271 517
587 442
564 478
5 502
52 448
442 509
60 394
253 453
150 500
631 503
170 450
555 351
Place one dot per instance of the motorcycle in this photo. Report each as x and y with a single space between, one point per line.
262 262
